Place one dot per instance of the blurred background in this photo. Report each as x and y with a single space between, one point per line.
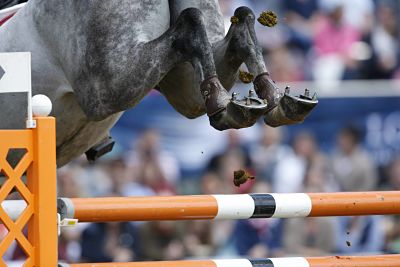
347 52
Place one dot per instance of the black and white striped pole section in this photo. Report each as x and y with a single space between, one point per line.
334 261
243 206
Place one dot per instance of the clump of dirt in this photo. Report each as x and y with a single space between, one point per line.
246 77
234 20
241 176
268 18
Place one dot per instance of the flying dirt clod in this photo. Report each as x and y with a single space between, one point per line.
246 77
241 176
268 18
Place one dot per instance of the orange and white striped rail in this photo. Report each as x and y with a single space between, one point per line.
243 206
333 261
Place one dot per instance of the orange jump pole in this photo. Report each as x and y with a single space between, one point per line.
139 208
334 261
353 261
242 206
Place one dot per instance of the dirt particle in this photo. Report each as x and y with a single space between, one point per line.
348 243
234 20
268 18
240 177
246 77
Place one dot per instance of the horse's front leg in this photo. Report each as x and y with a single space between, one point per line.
116 80
195 48
240 45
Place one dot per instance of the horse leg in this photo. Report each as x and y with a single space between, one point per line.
118 84
182 78
240 45
114 79
222 111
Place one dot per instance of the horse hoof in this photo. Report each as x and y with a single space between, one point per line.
291 109
250 107
240 113
100 149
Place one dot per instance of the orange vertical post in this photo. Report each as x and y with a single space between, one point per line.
16 139
42 230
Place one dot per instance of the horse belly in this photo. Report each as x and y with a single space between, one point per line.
75 133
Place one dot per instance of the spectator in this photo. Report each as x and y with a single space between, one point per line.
110 242
310 236
67 182
357 13
198 239
92 180
69 246
235 146
257 238
152 166
117 171
285 65
234 156
162 240
123 182
211 184
319 179
300 18
268 152
215 235
290 172
333 41
383 40
352 165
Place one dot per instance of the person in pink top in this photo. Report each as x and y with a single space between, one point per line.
334 39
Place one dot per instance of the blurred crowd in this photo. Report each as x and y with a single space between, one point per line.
279 166
335 39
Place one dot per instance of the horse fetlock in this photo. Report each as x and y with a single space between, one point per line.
215 96
266 89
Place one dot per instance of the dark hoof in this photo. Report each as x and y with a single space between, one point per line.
241 113
291 110
100 150
249 108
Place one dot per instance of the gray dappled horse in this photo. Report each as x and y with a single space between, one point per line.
94 59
